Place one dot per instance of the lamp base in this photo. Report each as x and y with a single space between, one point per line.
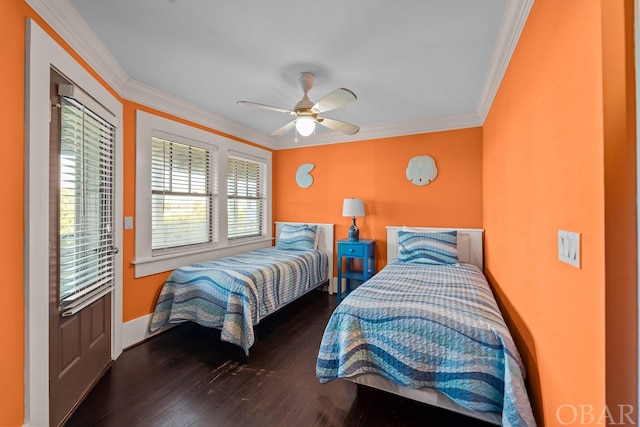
354 233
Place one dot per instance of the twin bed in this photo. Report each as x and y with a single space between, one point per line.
235 293
426 327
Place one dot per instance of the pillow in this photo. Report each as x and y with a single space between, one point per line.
297 237
428 248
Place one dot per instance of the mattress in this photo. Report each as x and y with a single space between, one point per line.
234 293
429 327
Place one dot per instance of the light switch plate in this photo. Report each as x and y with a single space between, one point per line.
569 247
128 223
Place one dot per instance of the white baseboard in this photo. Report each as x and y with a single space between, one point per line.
333 286
137 330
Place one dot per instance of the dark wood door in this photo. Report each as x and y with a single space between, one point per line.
79 337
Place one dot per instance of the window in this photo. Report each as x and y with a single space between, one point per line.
245 198
182 202
86 205
199 195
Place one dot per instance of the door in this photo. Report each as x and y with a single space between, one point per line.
81 261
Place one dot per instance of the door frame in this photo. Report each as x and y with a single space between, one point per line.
42 54
636 19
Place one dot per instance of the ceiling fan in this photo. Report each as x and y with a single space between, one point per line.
306 112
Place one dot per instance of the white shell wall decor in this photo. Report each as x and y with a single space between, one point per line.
303 177
421 170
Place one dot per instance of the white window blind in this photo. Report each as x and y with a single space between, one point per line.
246 198
86 206
182 201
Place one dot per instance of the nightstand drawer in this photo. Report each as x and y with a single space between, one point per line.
351 250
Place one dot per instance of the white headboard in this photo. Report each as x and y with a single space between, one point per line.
326 242
469 242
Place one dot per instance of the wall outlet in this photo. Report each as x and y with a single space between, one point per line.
569 247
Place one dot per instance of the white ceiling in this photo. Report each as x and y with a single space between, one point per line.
415 65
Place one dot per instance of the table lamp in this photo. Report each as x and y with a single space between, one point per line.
353 208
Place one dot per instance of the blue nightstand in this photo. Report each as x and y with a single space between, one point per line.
362 249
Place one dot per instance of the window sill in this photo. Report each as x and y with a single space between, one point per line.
170 261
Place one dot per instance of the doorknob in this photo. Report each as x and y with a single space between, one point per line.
113 250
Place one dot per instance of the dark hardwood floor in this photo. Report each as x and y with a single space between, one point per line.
188 377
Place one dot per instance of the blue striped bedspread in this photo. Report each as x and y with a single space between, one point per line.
435 326
234 293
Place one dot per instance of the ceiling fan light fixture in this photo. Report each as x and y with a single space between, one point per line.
306 112
305 125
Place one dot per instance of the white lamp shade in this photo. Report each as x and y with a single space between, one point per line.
352 207
305 125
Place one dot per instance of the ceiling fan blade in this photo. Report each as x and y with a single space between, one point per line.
267 107
339 126
335 99
284 128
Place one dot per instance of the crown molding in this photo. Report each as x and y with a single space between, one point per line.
515 17
161 101
69 25
409 127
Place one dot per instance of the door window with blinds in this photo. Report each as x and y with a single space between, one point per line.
183 208
86 206
246 195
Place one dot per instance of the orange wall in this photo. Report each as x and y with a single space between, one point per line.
544 170
620 203
12 30
374 171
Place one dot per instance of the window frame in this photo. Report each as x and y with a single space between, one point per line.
210 195
262 198
146 262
